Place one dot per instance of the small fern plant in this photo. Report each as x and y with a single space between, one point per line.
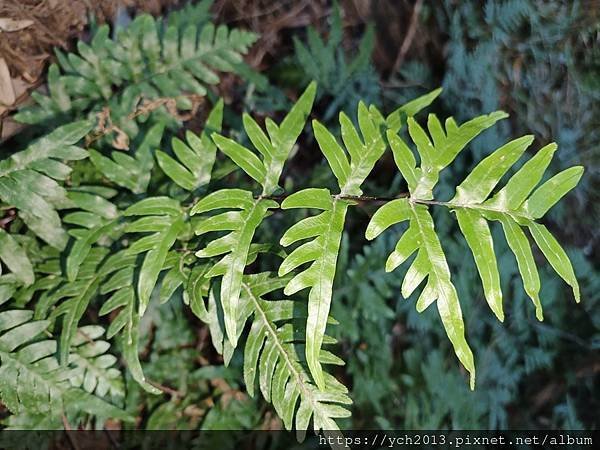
150 70
76 247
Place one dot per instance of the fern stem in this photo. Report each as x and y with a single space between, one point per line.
357 198
370 199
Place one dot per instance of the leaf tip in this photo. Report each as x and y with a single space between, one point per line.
389 266
539 314
498 115
289 289
576 292
317 125
141 310
370 233
282 270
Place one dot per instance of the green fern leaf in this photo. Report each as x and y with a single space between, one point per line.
131 171
148 59
196 157
325 232
28 180
31 378
326 229
163 217
70 299
122 297
514 206
95 371
96 216
274 353
15 258
242 224
18 355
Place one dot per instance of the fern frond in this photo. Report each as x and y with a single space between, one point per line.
15 258
98 274
346 78
514 206
18 355
31 379
94 369
430 263
163 218
195 158
242 224
274 354
325 230
131 171
283 378
28 182
96 217
124 304
70 300
148 59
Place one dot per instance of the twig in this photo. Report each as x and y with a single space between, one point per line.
121 141
408 38
166 389
68 428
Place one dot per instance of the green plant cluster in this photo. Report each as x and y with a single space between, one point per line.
106 245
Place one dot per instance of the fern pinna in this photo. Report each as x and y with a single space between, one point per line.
124 255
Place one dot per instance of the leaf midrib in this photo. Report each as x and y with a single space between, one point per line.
44 377
284 354
242 229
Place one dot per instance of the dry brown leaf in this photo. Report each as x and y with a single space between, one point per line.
9 128
9 25
121 140
7 93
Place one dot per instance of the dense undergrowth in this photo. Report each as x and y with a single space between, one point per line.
85 240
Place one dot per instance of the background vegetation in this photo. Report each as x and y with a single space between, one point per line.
537 60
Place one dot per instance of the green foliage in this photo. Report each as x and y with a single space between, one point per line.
131 172
29 183
149 250
274 347
34 383
196 157
513 206
242 225
273 354
327 228
148 60
344 80
95 368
